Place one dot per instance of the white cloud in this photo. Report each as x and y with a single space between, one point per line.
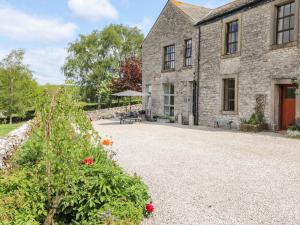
93 10
45 63
21 26
145 25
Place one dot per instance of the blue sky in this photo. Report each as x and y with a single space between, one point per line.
45 27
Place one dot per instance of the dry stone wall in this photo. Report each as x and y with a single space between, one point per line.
9 144
112 112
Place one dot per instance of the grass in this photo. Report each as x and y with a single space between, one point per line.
6 128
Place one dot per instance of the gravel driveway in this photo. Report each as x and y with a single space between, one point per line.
204 176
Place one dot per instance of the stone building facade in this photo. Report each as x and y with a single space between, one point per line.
174 26
249 51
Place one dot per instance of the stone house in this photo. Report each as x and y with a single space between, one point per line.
243 53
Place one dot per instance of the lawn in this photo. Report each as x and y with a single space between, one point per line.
6 128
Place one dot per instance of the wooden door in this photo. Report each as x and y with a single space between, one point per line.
288 106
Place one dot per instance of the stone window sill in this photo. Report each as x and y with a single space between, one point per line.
228 56
168 71
286 45
232 113
187 67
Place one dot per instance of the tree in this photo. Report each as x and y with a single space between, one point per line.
17 87
131 76
94 60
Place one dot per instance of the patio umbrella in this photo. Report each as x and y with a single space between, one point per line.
130 94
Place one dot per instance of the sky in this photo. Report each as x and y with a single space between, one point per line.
44 28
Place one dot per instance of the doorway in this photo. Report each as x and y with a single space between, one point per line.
287 106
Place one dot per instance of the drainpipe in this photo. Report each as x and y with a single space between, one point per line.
198 78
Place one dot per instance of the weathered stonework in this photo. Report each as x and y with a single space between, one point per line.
172 27
11 143
259 67
112 112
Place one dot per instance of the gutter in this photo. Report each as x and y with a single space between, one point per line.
198 78
232 11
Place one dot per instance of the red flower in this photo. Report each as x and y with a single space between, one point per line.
88 161
150 207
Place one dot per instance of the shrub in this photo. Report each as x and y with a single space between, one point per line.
255 119
295 127
50 182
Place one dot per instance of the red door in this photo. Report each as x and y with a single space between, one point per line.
288 106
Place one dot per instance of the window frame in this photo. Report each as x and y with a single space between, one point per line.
222 96
167 57
228 33
275 4
226 95
169 95
283 17
187 50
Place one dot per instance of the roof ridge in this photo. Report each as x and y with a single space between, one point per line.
177 3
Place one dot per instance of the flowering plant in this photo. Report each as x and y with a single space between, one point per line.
88 161
107 142
149 209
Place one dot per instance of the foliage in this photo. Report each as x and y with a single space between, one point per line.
131 76
6 128
94 60
49 182
255 119
295 127
17 87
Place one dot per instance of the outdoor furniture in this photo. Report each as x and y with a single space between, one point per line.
227 123
130 118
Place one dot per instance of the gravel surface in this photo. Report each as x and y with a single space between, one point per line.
205 176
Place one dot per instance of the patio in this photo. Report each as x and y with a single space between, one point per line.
210 176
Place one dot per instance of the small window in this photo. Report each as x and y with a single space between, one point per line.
188 52
229 94
169 57
232 30
169 99
285 23
290 93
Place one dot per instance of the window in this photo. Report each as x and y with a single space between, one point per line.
188 52
232 30
285 23
169 57
169 99
290 93
229 94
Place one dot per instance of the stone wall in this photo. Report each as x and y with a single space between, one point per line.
112 112
9 144
172 27
258 67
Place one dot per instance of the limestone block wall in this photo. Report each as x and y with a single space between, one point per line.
172 27
256 67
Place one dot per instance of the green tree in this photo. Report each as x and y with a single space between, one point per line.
17 87
94 60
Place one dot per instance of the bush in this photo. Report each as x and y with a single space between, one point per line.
295 127
255 119
49 177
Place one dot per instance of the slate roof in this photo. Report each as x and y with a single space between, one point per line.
228 8
201 14
195 12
